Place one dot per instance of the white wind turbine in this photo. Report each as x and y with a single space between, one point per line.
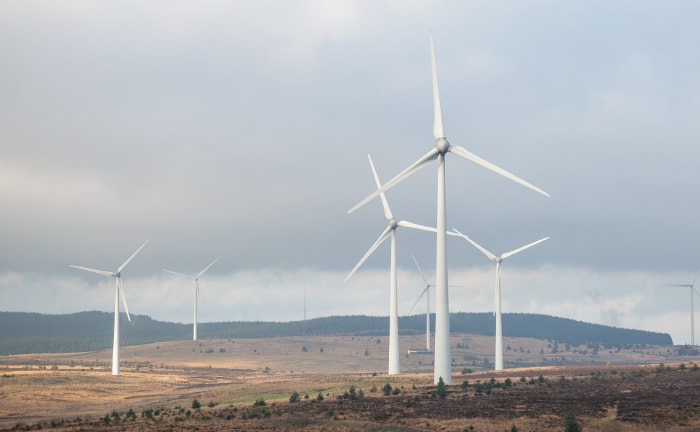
497 293
196 290
390 232
441 148
426 293
691 287
117 278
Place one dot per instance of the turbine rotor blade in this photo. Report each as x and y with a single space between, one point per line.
466 154
490 256
119 270
206 268
520 249
420 272
438 129
417 300
407 224
123 296
92 270
420 163
178 274
385 203
383 236
695 278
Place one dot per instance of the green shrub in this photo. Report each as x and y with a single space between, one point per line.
570 423
441 389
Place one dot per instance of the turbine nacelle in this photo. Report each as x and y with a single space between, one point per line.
442 145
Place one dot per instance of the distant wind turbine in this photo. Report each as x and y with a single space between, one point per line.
691 287
117 279
443 359
389 232
196 290
426 293
497 294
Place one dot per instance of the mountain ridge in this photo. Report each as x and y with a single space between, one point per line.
33 333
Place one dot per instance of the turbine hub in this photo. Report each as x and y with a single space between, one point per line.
442 145
393 223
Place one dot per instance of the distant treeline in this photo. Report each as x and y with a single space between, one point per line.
29 333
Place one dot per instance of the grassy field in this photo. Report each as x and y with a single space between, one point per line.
76 391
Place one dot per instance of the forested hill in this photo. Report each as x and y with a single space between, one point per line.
22 333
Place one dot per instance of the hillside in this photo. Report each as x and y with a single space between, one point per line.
22 333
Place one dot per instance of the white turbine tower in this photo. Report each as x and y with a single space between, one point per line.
691 287
497 292
390 232
196 290
117 278
441 148
426 293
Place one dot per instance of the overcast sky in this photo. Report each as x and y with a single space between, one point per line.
241 130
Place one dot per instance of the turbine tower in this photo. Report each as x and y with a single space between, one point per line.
691 287
497 293
426 292
119 291
390 232
441 147
196 290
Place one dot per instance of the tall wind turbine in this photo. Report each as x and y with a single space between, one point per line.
390 232
691 287
196 290
426 293
441 147
117 279
497 294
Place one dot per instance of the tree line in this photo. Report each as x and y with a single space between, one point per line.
31 333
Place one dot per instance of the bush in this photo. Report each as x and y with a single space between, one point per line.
295 397
441 389
386 389
570 423
259 402
196 404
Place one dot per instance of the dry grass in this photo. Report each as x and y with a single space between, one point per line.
232 374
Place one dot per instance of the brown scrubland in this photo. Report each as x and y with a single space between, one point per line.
339 383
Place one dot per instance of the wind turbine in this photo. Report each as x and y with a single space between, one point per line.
117 279
196 290
497 294
441 147
389 232
426 292
691 287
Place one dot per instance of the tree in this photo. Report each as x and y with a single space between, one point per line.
441 389
196 404
570 423
386 389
